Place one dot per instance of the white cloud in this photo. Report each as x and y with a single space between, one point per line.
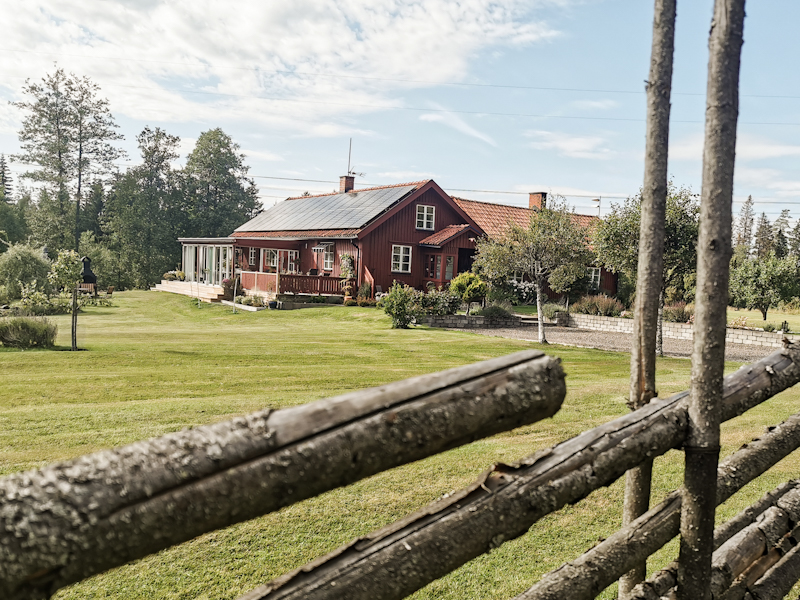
405 175
294 65
257 154
772 180
572 146
748 147
452 120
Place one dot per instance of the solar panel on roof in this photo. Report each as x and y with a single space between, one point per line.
337 211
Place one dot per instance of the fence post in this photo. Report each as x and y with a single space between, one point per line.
713 262
649 272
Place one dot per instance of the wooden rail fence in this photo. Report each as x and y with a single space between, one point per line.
68 521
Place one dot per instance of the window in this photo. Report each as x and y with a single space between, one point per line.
593 273
425 216
294 261
448 268
252 259
401 259
270 259
327 261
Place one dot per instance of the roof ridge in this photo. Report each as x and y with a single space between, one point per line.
377 187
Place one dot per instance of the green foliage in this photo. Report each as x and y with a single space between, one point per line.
21 265
438 302
553 250
220 195
34 301
13 225
27 332
5 297
763 283
679 312
65 272
551 310
768 327
764 238
400 303
616 241
469 287
365 290
493 311
600 305
347 266
362 301
351 302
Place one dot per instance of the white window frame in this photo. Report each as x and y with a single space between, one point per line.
594 278
294 267
328 258
426 217
401 259
252 257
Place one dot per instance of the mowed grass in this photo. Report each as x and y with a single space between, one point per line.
156 363
774 317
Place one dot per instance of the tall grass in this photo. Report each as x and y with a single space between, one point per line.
27 332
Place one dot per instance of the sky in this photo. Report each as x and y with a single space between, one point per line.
491 98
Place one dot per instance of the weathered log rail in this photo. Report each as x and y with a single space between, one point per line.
507 500
68 521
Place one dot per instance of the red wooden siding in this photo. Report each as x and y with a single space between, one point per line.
401 229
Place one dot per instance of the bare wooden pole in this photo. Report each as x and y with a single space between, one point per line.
713 261
65 522
75 317
649 274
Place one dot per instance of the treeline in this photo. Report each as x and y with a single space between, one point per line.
74 195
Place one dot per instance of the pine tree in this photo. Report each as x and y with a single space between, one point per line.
744 226
5 179
764 240
794 240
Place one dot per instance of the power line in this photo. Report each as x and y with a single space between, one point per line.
388 79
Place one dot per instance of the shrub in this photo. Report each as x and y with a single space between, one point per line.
35 302
21 265
679 312
438 302
550 310
493 311
600 305
351 302
365 290
366 302
27 332
5 297
769 327
469 287
401 305
169 276
318 299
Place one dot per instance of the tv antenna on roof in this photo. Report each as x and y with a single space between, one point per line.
349 170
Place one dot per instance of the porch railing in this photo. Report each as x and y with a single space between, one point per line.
290 283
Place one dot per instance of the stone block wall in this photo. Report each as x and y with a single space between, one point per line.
471 322
681 331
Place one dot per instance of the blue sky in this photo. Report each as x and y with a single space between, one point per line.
503 95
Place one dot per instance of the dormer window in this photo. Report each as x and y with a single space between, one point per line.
425 217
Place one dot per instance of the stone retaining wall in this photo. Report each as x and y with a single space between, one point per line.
472 322
680 331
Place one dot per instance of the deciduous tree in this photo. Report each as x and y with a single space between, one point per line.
762 283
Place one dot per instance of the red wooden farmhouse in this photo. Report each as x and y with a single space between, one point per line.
414 233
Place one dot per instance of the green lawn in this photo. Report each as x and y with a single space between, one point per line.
775 317
155 363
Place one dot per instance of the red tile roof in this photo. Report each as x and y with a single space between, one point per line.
494 219
303 234
418 184
445 235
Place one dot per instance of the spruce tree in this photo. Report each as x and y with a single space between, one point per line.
764 240
5 180
744 226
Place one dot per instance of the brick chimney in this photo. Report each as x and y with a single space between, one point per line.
537 200
346 183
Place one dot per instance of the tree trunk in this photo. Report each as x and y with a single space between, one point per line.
647 312
78 194
503 504
597 568
115 506
539 315
660 326
75 317
713 262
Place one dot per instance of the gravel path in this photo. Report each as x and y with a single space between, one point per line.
621 342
